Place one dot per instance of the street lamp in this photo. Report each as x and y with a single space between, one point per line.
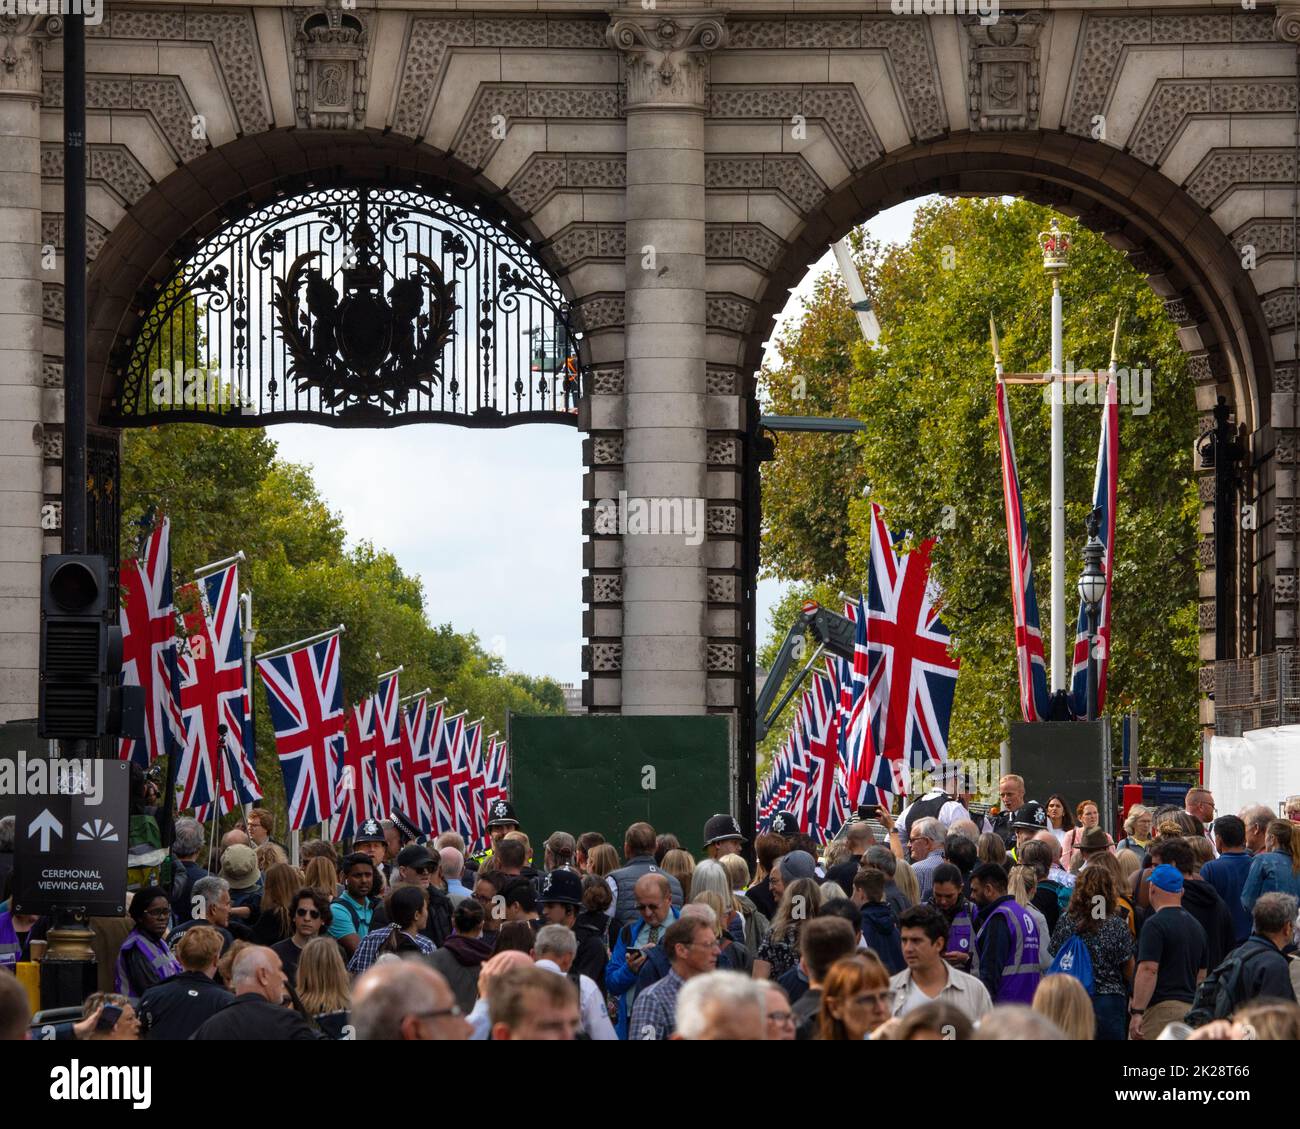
1092 590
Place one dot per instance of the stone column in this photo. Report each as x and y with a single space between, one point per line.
20 364
665 456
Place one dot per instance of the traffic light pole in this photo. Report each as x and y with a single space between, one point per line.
74 284
68 971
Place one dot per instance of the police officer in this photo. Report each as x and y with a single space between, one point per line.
371 841
722 837
561 901
501 821
784 823
1029 820
1011 797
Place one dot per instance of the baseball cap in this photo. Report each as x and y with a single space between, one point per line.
1167 878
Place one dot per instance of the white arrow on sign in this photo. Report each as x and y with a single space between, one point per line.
45 823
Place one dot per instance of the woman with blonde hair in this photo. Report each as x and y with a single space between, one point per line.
733 955
756 923
1022 884
323 875
1065 1001
280 886
323 985
1137 830
856 999
905 879
800 901
991 848
602 860
268 855
681 866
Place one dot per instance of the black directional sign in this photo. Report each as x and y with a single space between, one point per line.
70 840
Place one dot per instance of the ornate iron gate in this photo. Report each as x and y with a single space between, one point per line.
365 306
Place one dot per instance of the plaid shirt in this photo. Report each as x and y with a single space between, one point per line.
654 1015
368 951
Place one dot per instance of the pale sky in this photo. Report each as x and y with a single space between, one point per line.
490 519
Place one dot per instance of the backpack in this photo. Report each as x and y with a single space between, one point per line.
1223 989
1073 959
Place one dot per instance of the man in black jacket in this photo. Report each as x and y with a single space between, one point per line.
1266 972
1200 899
257 1011
178 1007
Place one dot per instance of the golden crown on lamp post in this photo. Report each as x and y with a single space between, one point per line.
1056 248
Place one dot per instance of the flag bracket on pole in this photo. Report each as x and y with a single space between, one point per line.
276 652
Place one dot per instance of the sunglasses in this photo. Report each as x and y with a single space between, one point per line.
310 913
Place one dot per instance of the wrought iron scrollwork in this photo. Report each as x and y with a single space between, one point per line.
365 305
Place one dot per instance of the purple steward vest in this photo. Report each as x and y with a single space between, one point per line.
160 959
1021 976
10 947
961 933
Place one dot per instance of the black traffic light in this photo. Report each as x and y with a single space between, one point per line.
81 651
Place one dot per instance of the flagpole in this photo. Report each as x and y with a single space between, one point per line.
246 607
418 694
275 652
390 673
217 566
1055 262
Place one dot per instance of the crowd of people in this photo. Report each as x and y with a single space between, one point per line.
1032 924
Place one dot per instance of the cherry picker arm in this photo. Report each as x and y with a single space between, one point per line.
833 633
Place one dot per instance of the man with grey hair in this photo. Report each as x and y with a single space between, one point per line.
721 1005
1256 817
258 981
210 904
452 865
187 842
1265 970
405 1000
925 838
554 950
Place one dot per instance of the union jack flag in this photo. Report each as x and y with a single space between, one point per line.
445 756
416 755
1104 492
388 742
305 692
801 768
237 772
354 768
912 675
829 792
859 759
433 803
461 783
494 772
149 652
477 779
1035 701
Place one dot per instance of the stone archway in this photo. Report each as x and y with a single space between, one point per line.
1189 263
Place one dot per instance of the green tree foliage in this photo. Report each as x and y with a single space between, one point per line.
225 490
930 456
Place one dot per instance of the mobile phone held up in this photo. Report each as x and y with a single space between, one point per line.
108 1017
